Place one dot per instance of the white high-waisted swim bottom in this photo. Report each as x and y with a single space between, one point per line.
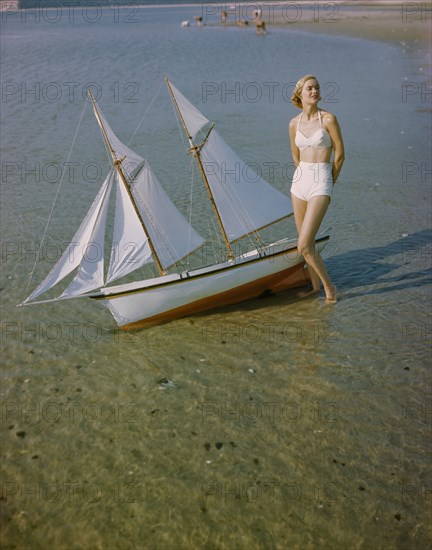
311 179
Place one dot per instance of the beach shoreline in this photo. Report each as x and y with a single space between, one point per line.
394 22
383 25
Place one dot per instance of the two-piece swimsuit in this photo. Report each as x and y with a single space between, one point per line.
312 178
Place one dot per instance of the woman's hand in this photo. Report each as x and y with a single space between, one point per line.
334 130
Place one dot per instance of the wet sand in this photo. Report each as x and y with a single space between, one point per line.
390 24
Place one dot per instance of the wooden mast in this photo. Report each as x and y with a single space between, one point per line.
117 163
196 152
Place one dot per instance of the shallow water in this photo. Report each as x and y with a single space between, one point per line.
286 423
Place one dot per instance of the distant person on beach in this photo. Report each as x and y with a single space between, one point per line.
257 14
314 135
261 27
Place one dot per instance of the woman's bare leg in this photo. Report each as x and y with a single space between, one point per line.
300 207
313 215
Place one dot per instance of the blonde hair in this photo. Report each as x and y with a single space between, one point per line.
295 98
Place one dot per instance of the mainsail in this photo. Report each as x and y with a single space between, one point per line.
245 201
173 236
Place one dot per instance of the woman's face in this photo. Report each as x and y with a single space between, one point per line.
310 93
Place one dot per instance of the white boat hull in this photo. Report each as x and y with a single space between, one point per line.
146 303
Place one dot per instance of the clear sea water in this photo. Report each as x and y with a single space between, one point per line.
278 423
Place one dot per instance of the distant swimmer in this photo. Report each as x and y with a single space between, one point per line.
257 14
198 20
261 27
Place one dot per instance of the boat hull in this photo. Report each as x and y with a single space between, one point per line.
196 291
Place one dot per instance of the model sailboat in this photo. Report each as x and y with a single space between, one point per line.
149 228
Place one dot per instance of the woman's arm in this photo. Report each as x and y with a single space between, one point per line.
295 151
334 130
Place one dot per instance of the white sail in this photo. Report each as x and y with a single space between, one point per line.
75 252
246 202
130 249
131 161
171 235
90 274
194 120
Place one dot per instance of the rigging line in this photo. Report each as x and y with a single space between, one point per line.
56 196
181 131
215 238
107 151
191 168
145 114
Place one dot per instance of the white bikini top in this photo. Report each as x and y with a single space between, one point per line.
320 138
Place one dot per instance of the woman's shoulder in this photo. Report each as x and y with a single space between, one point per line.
327 117
294 120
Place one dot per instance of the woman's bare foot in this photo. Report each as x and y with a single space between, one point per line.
307 293
331 295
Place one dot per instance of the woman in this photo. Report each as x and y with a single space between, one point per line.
314 135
